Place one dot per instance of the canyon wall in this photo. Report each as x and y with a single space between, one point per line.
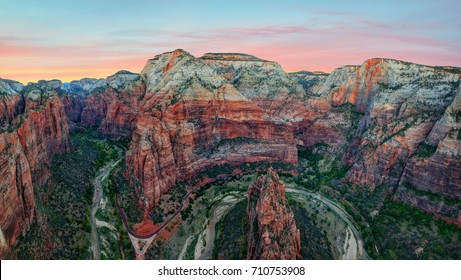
192 119
186 114
26 146
396 124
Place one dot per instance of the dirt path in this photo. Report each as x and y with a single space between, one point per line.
103 173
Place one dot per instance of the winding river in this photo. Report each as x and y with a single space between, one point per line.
103 173
353 247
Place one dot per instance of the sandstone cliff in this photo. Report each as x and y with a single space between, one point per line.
189 114
263 82
273 233
193 119
403 130
431 179
37 131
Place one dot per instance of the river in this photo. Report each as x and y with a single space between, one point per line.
102 174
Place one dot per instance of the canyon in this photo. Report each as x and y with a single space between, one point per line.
384 123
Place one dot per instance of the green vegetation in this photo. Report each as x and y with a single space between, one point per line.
435 197
190 252
400 132
425 150
231 241
314 242
13 125
316 169
62 228
454 70
197 209
404 232
98 90
352 118
390 228
62 207
457 115
174 99
117 183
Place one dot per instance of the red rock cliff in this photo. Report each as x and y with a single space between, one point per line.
192 120
273 233
26 148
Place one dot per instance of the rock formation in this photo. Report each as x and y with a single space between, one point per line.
393 123
35 130
273 233
407 133
192 119
263 82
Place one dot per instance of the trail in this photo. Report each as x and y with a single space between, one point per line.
142 242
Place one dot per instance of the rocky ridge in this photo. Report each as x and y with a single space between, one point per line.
37 129
273 233
405 133
193 119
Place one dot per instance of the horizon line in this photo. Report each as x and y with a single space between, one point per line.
105 76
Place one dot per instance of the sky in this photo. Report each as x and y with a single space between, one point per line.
72 39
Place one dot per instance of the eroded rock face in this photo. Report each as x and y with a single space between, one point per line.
406 130
273 233
405 101
308 79
193 119
436 168
11 102
26 147
263 82
110 105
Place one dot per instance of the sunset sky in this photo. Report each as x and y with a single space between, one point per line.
72 39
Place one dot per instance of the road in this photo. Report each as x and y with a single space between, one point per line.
142 242
353 243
